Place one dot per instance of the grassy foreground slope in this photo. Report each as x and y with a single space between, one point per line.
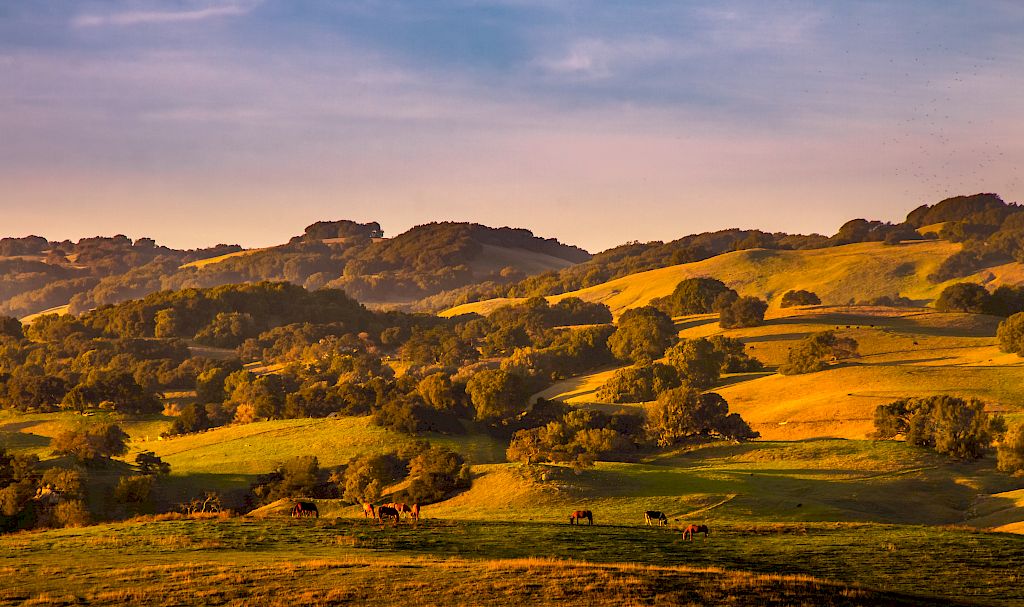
838 274
352 561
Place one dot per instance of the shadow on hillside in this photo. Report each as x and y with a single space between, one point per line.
740 378
19 426
775 337
690 323
909 361
22 440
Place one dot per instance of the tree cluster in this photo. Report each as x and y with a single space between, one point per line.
949 425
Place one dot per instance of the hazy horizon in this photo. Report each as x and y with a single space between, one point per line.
197 123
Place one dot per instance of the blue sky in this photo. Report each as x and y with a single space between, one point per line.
596 122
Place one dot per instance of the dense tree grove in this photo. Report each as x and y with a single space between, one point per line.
950 425
579 437
639 383
969 297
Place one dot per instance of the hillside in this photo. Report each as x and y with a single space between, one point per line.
904 352
860 271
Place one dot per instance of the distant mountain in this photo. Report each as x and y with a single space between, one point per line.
436 266
38 274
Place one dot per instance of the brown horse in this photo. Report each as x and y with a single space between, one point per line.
369 511
414 511
386 512
402 508
304 509
691 529
577 515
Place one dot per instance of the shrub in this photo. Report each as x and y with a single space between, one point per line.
1010 454
947 424
71 513
813 353
1011 334
799 298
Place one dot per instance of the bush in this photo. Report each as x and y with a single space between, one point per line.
71 513
1010 454
799 298
1011 334
642 335
741 312
947 424
815 351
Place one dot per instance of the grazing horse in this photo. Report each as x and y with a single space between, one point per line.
369 511
577 515
386 512
691 529
402 508
304 509
414 511
655 517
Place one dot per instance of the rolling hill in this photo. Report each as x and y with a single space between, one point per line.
860 271
904 352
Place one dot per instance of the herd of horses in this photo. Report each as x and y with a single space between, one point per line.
393 512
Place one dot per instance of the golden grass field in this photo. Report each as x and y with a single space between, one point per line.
209 261
838 274
904 352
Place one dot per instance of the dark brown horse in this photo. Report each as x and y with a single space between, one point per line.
577 515
691 529
304 509
386 512
655 517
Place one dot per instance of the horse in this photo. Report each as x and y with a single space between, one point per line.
414 511
386 512
574 518
304 509
655 517
691 529
402 508
369 511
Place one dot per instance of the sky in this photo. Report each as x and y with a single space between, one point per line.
201 122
